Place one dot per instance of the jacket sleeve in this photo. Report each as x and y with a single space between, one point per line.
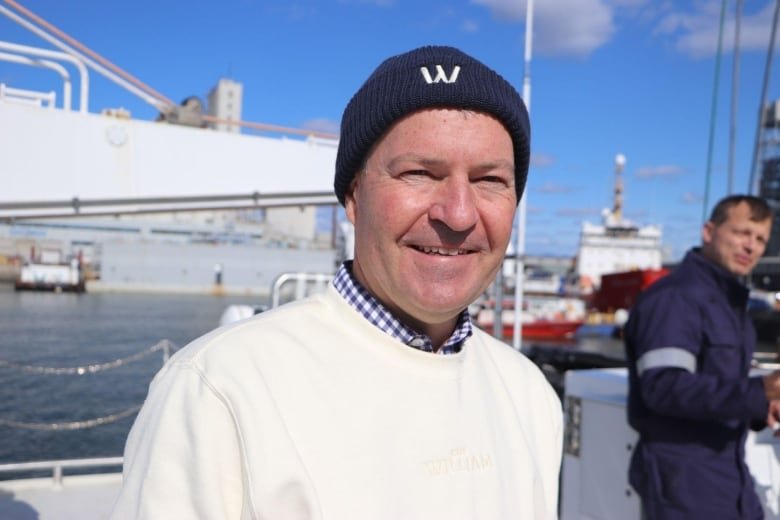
672 391
182 457
667 339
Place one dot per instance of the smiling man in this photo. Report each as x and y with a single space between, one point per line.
377 399
689 346
433 217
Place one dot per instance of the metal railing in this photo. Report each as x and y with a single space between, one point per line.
303 284
57 467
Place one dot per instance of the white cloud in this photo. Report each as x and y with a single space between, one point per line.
380 3
628 3
578 212
639 214
470 26
691 198
551 187
666 170
541 160
509 10
580 27
562 27
695 31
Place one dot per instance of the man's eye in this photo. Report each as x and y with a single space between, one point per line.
416 173
493 179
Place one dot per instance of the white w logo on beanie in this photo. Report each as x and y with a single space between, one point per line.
440 75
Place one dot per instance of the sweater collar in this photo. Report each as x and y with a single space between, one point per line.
380 316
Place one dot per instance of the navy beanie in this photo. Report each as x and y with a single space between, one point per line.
427 77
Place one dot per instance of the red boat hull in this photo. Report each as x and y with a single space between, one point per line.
549 330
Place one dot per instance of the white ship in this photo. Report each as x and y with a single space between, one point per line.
617 244
156 205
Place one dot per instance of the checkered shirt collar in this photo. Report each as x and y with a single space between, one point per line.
378 315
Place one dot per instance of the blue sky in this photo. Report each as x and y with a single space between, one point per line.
608 76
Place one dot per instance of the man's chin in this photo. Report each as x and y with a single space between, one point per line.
741 270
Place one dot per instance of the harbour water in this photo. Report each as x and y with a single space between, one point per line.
39 329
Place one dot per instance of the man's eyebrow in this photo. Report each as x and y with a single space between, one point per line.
417 158
431 162
497 165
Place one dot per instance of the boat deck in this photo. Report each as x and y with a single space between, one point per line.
58 497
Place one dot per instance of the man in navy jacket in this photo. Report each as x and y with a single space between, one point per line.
689 346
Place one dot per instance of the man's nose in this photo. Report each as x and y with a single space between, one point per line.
455 204
753 244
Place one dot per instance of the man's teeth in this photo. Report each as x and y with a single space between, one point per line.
442 251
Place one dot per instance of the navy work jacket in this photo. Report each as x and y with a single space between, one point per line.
689 345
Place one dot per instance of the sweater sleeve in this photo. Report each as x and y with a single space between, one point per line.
555 451
182 457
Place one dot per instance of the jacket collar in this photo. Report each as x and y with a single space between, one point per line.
736 291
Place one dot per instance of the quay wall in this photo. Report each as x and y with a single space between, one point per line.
203 268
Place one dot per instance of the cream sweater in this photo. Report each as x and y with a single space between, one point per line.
310 412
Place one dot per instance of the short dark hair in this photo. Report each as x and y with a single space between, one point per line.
759 209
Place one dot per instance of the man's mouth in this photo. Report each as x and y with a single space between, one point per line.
442 251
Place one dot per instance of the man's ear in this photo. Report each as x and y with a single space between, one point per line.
350 204
706 232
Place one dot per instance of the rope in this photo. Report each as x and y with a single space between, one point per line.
75 425
713 115
270 128
165 345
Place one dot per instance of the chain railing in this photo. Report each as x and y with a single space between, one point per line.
73 425
166 346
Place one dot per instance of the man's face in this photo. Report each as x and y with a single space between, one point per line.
737 243
433 213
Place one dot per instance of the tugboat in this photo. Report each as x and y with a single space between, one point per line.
48 271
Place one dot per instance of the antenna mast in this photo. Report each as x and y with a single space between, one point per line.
517 331
617 209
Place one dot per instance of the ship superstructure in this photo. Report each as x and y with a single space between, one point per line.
617 244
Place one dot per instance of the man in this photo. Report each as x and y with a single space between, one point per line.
689 346
378 398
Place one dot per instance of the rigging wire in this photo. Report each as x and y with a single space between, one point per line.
734 97
713 114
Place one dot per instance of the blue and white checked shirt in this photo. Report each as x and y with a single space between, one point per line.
378 315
